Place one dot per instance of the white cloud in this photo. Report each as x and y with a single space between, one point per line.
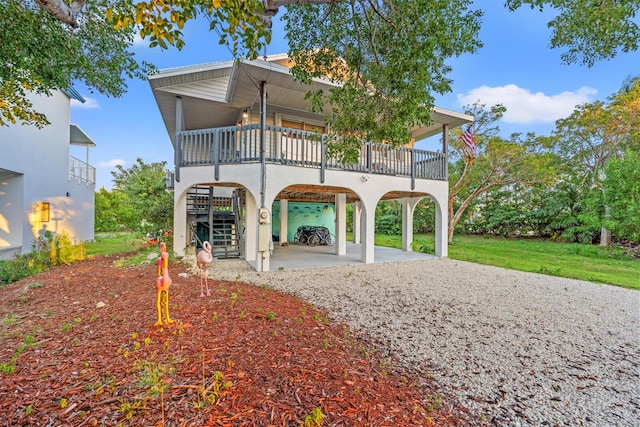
526 107
89 103
111 163
138 41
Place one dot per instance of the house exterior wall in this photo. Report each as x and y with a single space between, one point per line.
41 158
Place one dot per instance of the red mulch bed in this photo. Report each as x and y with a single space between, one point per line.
245 356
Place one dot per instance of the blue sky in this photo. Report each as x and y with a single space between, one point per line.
515 67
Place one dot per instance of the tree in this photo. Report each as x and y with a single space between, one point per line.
595 132
495 162
592 135
391 55
622 196
40 54
114 212
389 58
591 30
145 187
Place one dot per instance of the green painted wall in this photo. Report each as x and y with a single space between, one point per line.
303 214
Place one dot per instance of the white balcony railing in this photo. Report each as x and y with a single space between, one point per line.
81 170
241 144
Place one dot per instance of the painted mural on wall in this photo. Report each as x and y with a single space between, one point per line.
300 213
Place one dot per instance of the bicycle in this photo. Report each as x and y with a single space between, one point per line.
302 235
321 236
313 236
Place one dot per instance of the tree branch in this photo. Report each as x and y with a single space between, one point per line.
271 7
63 12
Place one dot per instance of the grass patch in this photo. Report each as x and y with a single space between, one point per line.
113 243
572 260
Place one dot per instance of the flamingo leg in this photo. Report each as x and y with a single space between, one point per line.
159 305
206 281
201 282
166 303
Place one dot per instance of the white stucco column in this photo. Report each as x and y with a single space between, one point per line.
284 220
265 246
357 211
408 209
180 226
441 241
341 224
251 231
368 233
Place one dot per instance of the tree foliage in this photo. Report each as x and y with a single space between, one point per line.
388 58
496 163
243 25
40 54
114 212
597 131
590 30
144 189
500 164
390 55
622 196
590 169
596 135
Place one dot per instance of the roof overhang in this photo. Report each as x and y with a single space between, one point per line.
283 90
440 117
79 137
215 94
72 93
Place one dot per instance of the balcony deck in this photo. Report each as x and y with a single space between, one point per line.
241 144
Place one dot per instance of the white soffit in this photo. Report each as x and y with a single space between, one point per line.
79 137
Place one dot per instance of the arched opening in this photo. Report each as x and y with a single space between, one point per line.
312 215
406 221
216 213
424 226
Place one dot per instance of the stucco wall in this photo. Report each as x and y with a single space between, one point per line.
303 214
41 157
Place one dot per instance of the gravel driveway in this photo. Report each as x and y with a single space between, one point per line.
519 349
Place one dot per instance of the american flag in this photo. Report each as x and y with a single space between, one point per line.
467 138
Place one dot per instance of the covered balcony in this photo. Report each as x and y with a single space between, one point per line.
294 147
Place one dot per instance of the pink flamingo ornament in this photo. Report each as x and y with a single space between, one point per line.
204 259
163 282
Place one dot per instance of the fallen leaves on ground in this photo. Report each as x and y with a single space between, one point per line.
79 348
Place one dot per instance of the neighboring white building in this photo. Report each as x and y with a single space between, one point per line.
42 187
246 145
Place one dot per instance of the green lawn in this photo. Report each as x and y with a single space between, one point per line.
113 243
573 260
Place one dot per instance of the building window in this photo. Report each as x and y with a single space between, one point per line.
302 126
41 211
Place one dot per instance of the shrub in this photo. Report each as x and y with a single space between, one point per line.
23 266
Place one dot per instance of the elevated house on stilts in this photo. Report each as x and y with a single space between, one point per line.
251 164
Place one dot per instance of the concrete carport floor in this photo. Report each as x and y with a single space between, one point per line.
295 257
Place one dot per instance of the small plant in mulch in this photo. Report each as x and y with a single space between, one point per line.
151 376
314 418
28 341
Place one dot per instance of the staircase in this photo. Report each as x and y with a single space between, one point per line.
217 219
